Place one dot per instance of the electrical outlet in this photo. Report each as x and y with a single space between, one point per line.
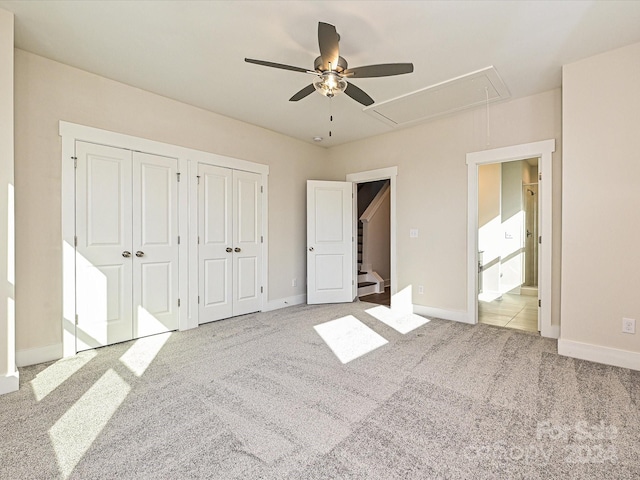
294 282
628 325
413 233
420 290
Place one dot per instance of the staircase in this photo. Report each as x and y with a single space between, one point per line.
369 281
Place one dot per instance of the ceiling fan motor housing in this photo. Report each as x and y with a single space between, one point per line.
339 68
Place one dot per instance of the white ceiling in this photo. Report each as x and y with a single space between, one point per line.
193 51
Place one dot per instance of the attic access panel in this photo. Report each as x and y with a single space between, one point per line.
461 93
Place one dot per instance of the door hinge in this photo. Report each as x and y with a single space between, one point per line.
178 302
261 239
198 177
178 175
198 298
540 176
539 303
540 239
76 319
75 241
261 189
353 282
198 239
261 290
178 239
75 162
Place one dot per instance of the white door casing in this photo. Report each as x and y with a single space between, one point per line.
230 242
103 229
155 244
329 242
127 245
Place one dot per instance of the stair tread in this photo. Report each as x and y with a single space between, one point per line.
365 284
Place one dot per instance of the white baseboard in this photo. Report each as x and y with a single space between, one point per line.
285 302
33 356
9 382
599 354
454 315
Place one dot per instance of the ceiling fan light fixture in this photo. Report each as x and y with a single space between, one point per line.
329 84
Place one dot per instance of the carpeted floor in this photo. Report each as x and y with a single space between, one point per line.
262 396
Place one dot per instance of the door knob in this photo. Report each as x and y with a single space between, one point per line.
126 254
237 249
139 254
311 249
229 249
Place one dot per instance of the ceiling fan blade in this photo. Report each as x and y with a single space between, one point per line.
277 65
382 70
358 95
328 39
308 90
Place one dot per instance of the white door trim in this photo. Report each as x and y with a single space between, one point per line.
542 150
187 216
389 173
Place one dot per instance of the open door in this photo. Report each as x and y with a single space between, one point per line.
330 270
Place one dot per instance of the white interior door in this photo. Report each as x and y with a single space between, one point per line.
330 277
215 238
247 239
155 244
104 246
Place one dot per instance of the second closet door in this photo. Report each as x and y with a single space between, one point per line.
229 226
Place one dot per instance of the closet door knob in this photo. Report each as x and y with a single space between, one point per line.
229 249
139 254
237 249
311 249
126 254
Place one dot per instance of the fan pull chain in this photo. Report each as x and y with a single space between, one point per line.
330 114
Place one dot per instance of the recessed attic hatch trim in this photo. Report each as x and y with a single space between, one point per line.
461 93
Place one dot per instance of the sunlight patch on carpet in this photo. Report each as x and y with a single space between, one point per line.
399 321
72 435
349 338
56 374
143 352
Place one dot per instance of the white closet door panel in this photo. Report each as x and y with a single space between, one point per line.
103 228
155 244
247 220
215 248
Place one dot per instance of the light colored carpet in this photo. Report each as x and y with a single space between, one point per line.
263 397
349 338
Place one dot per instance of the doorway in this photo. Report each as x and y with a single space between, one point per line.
384 175
373 203
507 244
543 150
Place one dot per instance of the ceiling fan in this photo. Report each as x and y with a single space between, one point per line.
332 69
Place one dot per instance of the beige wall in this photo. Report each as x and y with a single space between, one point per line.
47 92
601 198
8 380
432 189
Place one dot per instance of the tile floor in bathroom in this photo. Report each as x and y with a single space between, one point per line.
511 311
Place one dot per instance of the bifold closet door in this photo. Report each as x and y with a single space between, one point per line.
229 226
103 251
155 244
127 249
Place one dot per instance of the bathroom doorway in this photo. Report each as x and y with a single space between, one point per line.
508 244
